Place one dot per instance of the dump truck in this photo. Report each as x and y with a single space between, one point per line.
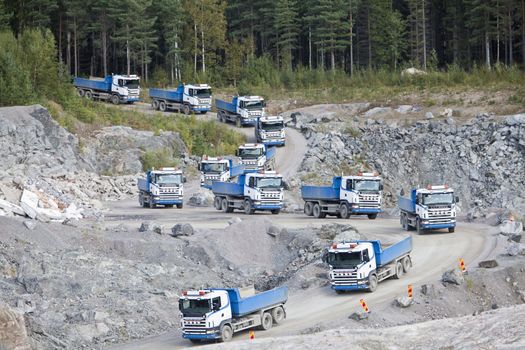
217 169
428 208
114 88
161 187
253 191
218 313
242 110
187 98
361 265
256 156
269 130
348 195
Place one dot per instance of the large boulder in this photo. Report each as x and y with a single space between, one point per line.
453 276
13 334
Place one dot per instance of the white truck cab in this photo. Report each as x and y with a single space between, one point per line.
270 130
351 263
198 96
126 86
265 189
363 192
162 186
250 107
253 157
214 169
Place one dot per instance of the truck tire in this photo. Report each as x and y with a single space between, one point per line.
372 283
407 264
81 92
89 95
220 116
115 99
308 208
275 211
162 106
179 206
247 205
344 210
224 205
238 122
317 212
372 216
226 333
155 106
418 226
186 109
278 314
217 202
266 321
404 221
152 205
195 341
142 203
451 229
399 270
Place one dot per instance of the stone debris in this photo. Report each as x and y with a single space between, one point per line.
511 228
13 334
182 230
359 316
203 198
404 301
30 224
514 249
234 220
453 276
488 264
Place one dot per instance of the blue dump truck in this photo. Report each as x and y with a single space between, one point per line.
161 187
428 208
114 88
216 314
349 195
218 169
187 99
257 156
270 130
361 265
243 110
252 191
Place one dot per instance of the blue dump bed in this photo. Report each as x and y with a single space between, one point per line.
169 95
227 106
236 170
386 256
244 306
271 152
408 204
143 185
229 188
101 85
326 193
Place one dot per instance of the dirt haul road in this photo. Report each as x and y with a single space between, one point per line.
432 254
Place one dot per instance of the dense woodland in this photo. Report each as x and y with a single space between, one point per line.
174 40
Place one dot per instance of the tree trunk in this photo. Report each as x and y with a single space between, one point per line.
487 48
195 48
75 45
104 39
424 38
68 53
92 60
369 39
60 59
332 59
203 52
497 32
523 33
128 51
351 42
510 38
310 47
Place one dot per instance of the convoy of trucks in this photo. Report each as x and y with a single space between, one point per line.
429 208
186 98
348 195
243 110
269 130
256 156
361 265
253 191
114 88
161 187
216 314
217 169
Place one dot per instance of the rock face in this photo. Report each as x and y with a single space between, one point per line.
13 335
482 159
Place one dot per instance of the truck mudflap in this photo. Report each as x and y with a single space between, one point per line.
437 226
365 210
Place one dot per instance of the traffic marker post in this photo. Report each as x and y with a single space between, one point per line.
410 291
363 304
462 265
252 335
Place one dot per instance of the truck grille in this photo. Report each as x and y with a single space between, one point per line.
208 179
369 201
440 214
249 164
343 277
273 135
194 326
164 190
205 101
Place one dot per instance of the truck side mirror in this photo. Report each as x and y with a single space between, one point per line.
324 258
237 152
199 167
184 179
380 187
456 199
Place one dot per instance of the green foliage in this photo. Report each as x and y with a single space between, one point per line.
163 157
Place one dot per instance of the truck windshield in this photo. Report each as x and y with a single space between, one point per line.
213 167
438 198
252 105
272 126
344 260
168 179
194 307
132 84
367 185
202 93
250 152
269 182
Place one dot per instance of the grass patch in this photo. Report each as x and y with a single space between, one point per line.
159 158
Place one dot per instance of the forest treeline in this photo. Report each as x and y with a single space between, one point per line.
174 40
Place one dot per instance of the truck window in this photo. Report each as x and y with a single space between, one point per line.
365 255
344 260
216 303
349 184
120 82
250 153
275 126
203 93
193 307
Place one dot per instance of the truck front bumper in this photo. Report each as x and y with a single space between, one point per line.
201 336
437 226
167 201
350 287
201 109
273 142
247 122
130 99
366 210
267 206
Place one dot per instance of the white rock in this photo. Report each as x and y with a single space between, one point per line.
413 71
29 203
10 207
511 228
404 109
30 224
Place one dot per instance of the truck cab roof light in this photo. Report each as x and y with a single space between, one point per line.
185 292
201 292
360 173
334 246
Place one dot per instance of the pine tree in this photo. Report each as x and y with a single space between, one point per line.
31 13
5 16
171 28
480 16
331 32
286 30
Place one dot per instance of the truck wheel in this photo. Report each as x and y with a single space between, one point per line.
224 205
372 283
168 206
308 208
248 210
220 116
317 212
115 99
155 105
217 203
186 109
278 314
418 226
195 341
372 216
162 106
399 270
179 206
451 229
407 264
81 92
404 221
141 201
275 211
152 205
238 122
344 211
89 95
267 321
226 333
